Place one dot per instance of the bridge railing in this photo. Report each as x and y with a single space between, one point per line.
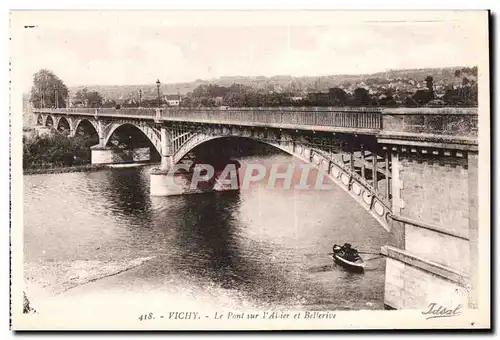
143 112
442 121
367 119
316 116
102 111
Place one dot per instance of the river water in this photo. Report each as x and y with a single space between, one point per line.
101 232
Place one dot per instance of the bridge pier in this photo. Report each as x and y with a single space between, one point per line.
161 179
111 155
101 154
171 179
165 182
101 133
435 208
166 149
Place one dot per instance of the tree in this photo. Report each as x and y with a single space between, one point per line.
361 97
81 96
88 98
109 103
430 86
410 102
474 71
338 97
473 93
387 99
94 99
48 90
422 97
451 97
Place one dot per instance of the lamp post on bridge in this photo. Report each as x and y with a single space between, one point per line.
158 88
56 96
41 98
140 97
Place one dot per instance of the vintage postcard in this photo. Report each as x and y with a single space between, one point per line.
250 170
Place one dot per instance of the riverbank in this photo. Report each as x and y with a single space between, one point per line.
60 170
46 280
55 153
84 168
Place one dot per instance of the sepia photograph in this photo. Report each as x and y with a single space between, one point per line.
250 170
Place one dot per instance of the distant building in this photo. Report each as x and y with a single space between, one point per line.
172 99
127 102
219 101
77 103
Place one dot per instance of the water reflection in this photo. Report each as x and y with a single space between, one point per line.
133 197
206 236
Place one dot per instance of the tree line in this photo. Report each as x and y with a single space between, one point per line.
56 150
50 91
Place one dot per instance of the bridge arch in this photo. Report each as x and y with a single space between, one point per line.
49 121
40 120
151 134
63 124
357 187
86 124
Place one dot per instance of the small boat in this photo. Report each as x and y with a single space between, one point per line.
353 261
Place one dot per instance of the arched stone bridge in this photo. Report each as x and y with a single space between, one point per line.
413 169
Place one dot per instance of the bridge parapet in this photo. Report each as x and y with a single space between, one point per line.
445 121
430 123
455 128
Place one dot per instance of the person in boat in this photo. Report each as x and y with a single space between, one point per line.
349 252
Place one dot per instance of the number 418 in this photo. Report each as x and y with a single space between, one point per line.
148 316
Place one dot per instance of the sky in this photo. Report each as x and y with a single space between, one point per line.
126 48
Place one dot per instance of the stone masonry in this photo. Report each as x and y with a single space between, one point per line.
434 190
